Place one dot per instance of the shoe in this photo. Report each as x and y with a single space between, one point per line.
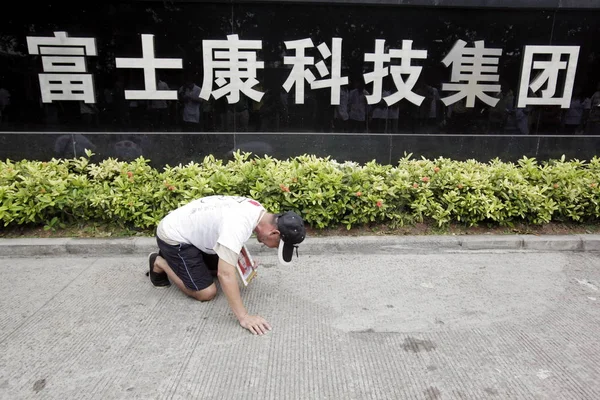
158 279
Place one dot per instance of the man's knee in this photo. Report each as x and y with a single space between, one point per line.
206 294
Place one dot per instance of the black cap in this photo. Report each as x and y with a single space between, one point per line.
292 232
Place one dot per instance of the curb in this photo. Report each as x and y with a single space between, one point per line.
83 247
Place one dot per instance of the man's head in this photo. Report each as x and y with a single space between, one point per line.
283 231
189 79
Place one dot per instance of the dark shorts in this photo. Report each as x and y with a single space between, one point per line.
190 264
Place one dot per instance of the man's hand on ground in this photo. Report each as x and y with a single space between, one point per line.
255 324
228 278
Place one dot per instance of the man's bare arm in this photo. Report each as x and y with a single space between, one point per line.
228 278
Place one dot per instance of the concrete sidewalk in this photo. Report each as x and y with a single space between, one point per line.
355 318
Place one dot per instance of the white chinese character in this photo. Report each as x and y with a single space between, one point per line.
336 81
379 71
405 54
550 71
149 64
298 73
64 57
472 66
233 68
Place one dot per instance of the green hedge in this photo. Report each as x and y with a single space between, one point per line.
325 192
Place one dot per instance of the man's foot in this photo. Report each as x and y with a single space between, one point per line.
158 279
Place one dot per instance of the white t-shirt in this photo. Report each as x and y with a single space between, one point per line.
159 104
381 112
341 111
191 109
211 223
357 105
574 114
436 98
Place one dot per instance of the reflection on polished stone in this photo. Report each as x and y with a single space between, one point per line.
353 81
174 149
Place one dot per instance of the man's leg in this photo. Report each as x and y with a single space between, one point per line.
161 265
186 268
